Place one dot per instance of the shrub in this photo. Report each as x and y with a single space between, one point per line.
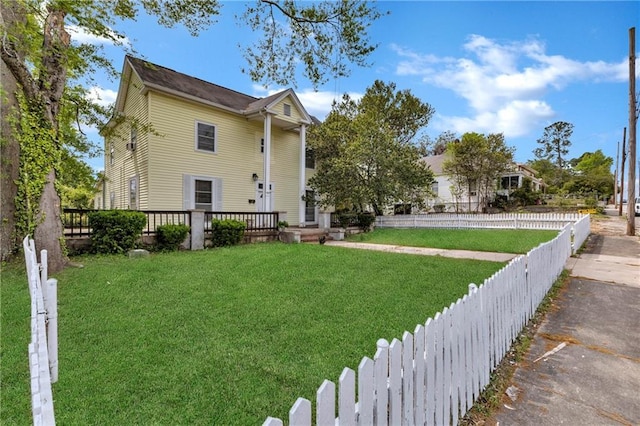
592 203
439 208
115 231
227 232
365 220
170 236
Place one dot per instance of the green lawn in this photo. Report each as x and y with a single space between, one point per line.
518 241
225 336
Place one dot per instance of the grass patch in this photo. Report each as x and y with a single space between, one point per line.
15 335
518 241
225 336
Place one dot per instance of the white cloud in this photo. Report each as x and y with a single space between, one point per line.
80 35
104 97
514 119
504 84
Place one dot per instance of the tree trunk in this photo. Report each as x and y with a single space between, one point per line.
49 231
9 146
45 92
9 165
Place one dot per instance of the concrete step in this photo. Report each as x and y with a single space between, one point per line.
312 235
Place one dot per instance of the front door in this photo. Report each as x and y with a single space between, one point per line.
310 207
260 194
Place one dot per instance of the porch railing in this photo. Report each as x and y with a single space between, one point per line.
256 221
76 221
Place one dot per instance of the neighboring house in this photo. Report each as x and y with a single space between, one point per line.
444 192
512 180
443 189
177 142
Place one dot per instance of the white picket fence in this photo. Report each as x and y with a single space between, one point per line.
43 349
580 223
580 231
433 376
505 220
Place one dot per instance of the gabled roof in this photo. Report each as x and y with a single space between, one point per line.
435 162
159 77
162 79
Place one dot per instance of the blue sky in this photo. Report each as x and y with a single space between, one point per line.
509 67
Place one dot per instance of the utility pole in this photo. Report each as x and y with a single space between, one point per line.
624 157
633 118
615 179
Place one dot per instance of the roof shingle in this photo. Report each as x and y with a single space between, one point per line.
169 79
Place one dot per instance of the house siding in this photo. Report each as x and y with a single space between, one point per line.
166 161
236 159
295 116
128 164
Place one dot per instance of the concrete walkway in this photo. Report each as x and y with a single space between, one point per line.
458 254
595 378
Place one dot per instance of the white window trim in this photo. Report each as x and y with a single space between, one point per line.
215 137
137 181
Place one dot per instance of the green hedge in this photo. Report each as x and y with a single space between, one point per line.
227 232
365 220
115 231
170 236
362 220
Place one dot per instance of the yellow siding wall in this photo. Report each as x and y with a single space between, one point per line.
295 116
128 164
236 159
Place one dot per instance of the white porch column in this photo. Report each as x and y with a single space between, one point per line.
267 161
302 177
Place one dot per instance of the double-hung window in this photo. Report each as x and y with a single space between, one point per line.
202 192
204 195
310 159
205 137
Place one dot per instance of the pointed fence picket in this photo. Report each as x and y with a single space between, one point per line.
433 376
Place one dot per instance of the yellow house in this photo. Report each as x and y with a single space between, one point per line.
176 142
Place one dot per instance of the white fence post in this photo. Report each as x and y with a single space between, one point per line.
50 288
42 366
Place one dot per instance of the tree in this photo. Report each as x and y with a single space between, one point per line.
319 35
555 146
428 146
76 183
546 170
364 151
49 69
9 151
476 162
591 174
